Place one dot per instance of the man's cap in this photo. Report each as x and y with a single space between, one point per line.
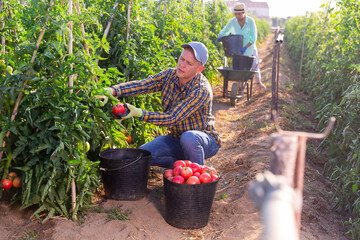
200 51
239 8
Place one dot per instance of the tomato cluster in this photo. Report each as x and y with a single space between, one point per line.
187 172
12 180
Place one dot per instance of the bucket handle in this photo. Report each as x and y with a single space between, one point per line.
114 169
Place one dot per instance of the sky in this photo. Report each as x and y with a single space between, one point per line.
292 8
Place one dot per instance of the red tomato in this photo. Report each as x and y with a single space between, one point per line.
186 172
205 178
193 180
168 173
213 171
196 174
195 167
214 177
187 162
16 182
179 163
177 171
206 170
7 183
118 108
178 179
171 178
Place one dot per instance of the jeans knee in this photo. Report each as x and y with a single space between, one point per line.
188 140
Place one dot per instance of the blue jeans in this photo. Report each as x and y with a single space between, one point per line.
193 145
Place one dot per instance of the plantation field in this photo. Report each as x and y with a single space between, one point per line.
245 131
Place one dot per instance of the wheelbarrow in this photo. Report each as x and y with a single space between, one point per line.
242 79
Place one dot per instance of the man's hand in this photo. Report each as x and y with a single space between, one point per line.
102 97
219 38
130 111
243 50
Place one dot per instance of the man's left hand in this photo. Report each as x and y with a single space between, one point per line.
101 94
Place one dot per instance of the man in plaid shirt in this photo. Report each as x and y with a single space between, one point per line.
187 109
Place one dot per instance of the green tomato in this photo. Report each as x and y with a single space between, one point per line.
87 146
2 64
9 69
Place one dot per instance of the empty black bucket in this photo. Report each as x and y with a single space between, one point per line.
242 62
125 172
232 44
188 206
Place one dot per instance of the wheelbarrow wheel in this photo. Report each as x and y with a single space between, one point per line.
234 93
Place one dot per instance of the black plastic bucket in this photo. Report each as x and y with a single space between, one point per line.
232 44
242 62
125 173
188 206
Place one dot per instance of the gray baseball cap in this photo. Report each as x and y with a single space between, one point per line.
200 51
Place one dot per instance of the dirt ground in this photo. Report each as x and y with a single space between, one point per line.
245 131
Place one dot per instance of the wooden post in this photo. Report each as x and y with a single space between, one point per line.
128 21
16 107
71 84
273 82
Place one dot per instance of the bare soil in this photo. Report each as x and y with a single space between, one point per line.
245 131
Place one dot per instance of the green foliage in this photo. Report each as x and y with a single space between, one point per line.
330 75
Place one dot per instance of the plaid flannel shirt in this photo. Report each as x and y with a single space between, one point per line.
184 109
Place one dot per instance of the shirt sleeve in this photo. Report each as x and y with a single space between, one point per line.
137 87
183 110
229 28
253 31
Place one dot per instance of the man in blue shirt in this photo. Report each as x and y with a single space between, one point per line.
244 25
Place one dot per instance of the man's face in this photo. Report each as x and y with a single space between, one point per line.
188 66
240 15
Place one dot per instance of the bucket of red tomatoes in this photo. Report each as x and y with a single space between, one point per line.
189 193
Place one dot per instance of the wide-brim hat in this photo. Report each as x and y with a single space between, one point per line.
239 8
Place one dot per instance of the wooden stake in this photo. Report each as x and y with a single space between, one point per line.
71 84
128 21
106 32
